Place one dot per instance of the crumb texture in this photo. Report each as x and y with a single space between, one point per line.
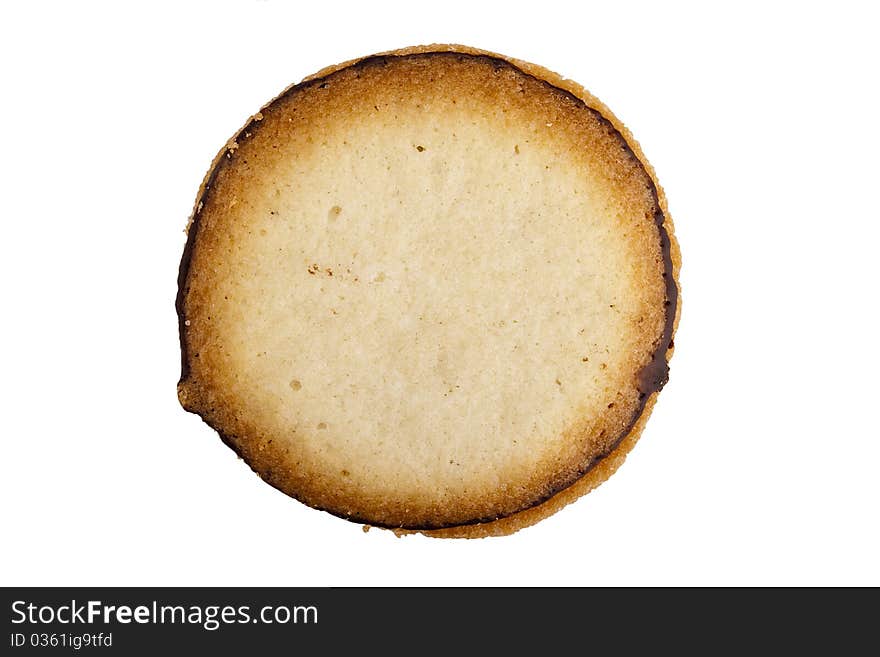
419 291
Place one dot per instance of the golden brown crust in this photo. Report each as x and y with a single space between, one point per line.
273 460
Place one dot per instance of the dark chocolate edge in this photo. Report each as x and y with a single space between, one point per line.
652 378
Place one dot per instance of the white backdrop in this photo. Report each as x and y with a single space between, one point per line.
759 465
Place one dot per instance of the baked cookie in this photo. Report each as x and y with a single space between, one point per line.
429 290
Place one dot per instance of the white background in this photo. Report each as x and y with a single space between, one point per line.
760 464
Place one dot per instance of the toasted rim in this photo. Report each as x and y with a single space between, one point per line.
652 378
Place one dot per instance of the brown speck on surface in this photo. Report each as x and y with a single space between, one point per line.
334 213
558 382
611 405
295 384
585 359
516 149
322 425
344 473
313 269
365 528
604 366
420 149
